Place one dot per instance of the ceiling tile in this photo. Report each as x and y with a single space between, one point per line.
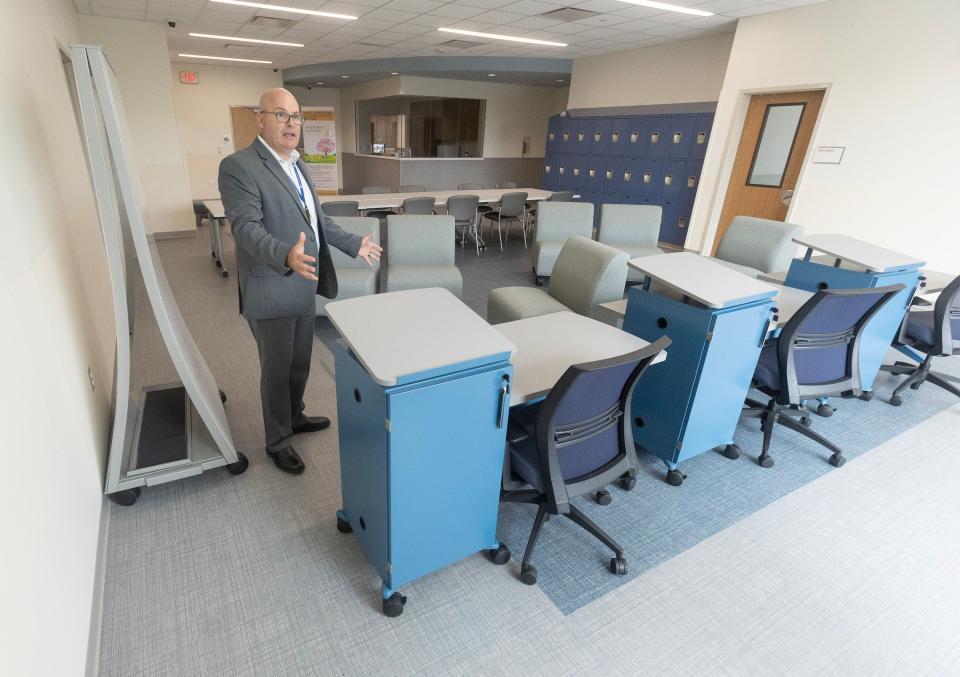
416 6
454 11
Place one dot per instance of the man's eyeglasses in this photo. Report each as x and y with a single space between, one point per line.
283 116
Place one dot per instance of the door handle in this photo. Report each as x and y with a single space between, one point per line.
504 401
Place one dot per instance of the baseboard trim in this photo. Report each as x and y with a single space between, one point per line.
170 234
96 607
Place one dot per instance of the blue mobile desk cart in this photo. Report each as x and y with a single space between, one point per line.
717 319
423 395
848 263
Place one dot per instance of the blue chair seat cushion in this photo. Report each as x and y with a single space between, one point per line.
525 462
920 328
767 373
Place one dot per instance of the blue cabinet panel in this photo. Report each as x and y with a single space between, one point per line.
553 135
619 137
680 135
578 175
582 136
701 136
550 172
651 177
596 166
564 172
692 180
668 224
567 136
656 137
600 136
613 175
674 178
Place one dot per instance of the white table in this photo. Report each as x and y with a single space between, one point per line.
787 301
395 200
403 334
697 277
547 345
846 248
217 218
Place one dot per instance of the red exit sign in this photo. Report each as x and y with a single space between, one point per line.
189 77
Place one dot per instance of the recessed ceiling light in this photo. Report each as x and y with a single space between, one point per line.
344 76
281 8
508 38
668 7
491 75
319 83
221 58
233 38
394 74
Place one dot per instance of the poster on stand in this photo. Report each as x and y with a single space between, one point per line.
320 148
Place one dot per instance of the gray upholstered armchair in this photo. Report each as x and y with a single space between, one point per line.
556 222
755 246
634 229
421 253
586 274
355 277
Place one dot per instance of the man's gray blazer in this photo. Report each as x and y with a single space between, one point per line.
267 217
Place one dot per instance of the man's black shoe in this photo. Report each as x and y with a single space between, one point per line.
287 460
312 424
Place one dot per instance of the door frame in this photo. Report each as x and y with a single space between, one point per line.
732 144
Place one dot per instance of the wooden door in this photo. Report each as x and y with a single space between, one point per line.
244 121
768 160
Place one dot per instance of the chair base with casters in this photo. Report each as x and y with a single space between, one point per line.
496 218
575 443
917 375
771 414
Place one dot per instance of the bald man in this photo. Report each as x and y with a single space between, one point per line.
283 260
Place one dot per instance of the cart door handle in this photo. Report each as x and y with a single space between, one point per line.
504 400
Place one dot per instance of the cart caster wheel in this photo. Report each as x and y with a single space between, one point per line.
499 555
528 575
343 526
393 605
825 410
805 421
765 461
837 461
223 396
866 395
240 466
731 451
618 566
603 497
896 400
224 274
126 497
627 483
675 478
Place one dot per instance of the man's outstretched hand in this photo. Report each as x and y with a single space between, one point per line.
370 251
300 263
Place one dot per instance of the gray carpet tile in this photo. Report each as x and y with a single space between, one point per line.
846 571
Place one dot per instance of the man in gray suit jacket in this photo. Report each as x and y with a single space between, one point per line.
283 260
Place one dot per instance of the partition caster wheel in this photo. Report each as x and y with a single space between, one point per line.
393 605
126 497
603 497
731 451
896 400
627 483
805 421
675 478
618 566
343 526
223 396
499 555
240 466
825 410
837 460
765 461
866 395
528 575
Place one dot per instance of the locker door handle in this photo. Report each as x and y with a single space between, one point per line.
504 401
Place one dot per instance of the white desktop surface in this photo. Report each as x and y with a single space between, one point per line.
547 344
394 200
699 278
409 332
215 207
787 301
870 256
936 281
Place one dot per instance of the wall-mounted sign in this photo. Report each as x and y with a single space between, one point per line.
189 78
828 155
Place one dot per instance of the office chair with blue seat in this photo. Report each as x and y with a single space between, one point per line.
817 354
934 333
576 442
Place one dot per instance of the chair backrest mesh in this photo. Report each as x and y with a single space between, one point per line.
418 205
463 207
512 204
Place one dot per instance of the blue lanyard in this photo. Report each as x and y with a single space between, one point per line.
303 197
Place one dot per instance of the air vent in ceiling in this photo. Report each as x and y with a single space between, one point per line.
568 14
234 47
271 22
374 43
460 44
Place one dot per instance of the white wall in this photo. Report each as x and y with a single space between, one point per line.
203 116
59 321
137 50
678 72
347 115
892 78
